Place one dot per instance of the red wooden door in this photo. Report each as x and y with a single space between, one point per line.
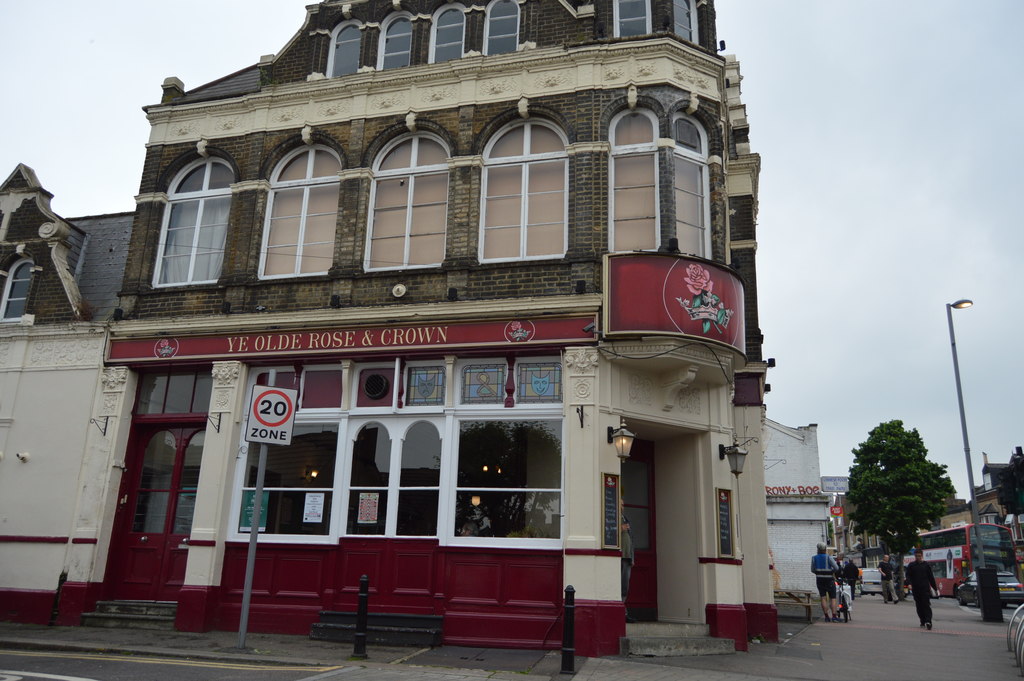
148 559
638 503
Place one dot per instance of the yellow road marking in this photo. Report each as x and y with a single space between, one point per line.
171 661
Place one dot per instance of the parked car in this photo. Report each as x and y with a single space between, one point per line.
870 581
1011 591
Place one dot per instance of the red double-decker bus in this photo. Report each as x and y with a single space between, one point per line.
948 552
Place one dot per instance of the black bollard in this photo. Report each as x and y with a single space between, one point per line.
359 650
569 632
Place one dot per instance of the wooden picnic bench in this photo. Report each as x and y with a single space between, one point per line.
797 597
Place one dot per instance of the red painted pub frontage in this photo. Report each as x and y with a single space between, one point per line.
479 242
461 464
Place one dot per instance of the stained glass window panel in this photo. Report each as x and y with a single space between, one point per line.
426 387
483 384
540 382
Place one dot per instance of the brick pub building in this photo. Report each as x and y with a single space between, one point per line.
477 239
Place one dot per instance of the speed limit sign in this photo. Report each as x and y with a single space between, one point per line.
271 415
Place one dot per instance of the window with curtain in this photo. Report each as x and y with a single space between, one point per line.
410 205
302 214
191 249
682 12
345 43
634 182
501 28
448 33
690 186
397 50
525 208
16 291
509 479
632 17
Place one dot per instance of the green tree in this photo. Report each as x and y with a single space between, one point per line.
895 489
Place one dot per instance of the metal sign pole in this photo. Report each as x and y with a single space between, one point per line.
254 533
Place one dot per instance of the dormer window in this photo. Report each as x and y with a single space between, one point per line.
345 45
397 50
15 295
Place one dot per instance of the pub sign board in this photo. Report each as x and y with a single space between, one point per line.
658 294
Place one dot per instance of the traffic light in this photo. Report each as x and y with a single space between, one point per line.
1017 466
1008 487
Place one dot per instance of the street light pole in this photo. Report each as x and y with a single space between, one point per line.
959 305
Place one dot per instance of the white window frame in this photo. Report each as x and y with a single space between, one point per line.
692 6
621 151
487 26
412 172
12 274
202 196
388 24
618 20
701 159
306 184
524 161
445 419
434 25
333 55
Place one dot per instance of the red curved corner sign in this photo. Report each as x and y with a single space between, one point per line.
668 294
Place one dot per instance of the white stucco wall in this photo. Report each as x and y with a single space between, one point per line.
797 510
48 385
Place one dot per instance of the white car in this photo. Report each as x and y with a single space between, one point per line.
870 581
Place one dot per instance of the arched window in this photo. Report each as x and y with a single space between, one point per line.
16 291
525 209
345 44
501 31
397 50
683 20
410 206
690 186
191 249
632 17
448 33
634 180
302 214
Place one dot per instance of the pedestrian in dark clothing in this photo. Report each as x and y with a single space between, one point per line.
851 574
921 580
888 583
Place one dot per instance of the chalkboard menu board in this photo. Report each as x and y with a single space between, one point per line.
724 522
611 511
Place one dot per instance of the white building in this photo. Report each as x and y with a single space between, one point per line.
797 508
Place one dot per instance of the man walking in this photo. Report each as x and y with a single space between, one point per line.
851 574
922 582
824 568
888 584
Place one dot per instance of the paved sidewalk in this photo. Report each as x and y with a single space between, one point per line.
881 643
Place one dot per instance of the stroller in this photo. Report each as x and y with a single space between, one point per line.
844 599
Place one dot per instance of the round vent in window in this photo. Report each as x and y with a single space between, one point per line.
376 386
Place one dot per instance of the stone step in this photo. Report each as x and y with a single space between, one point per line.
669 639
159 608
675 646
395 629
152 615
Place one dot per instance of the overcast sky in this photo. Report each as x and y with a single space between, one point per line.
891 152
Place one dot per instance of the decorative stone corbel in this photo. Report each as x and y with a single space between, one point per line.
346 10
410 121
307 134
631 96
397 4
675 383
201 147
524 107
693 105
